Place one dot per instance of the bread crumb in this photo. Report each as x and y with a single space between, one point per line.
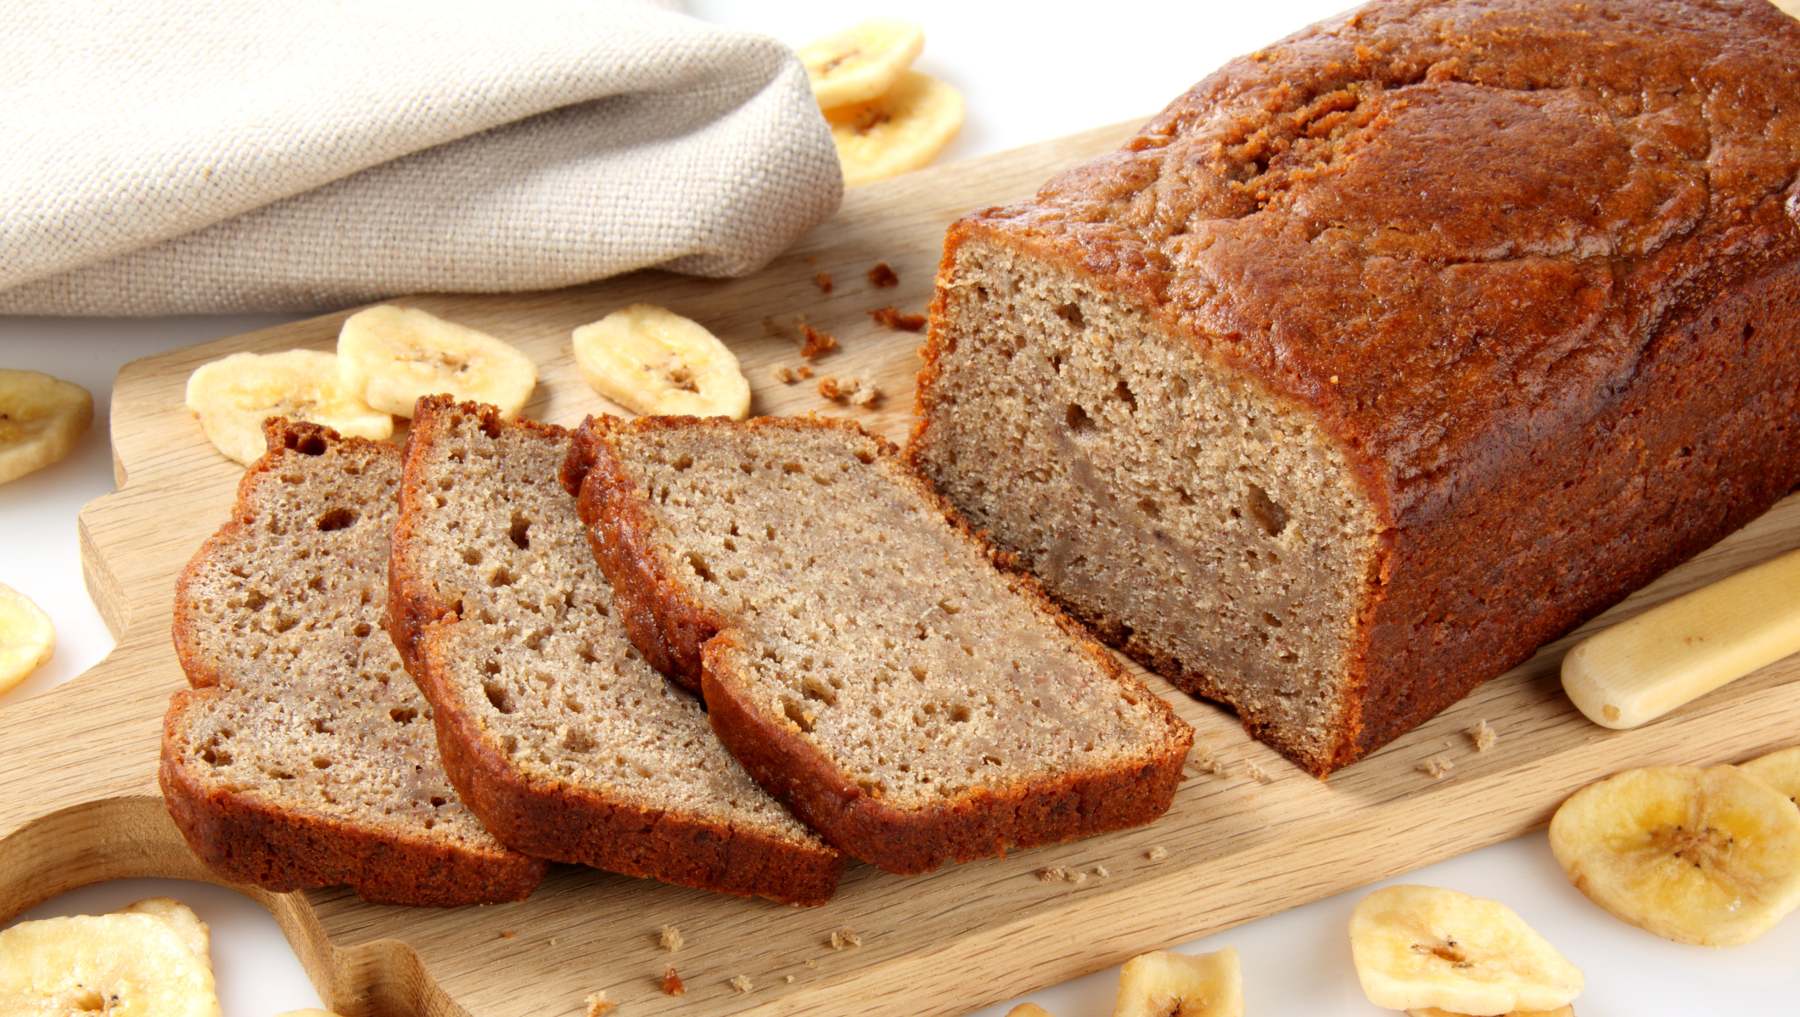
832 389
507 934
882 276
1483 736
669 938
823 281
811 963
1157 853
742 984
788 979
858 391
816 343
844 939
803 372
1437 767
894 318
1061 874
599 1006
671 982
1206 761
1102 871
783 373
865 395
1257 773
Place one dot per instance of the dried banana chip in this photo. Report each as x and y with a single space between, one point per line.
181 918
1704 856
127 963
233 396
391 356
896 132
1421 946
861 63
1432 1011
652 360
1191 985
1028 1010
26 637
1780 770
41 418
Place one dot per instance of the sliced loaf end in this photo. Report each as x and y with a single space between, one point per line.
303 757
859 651
561 737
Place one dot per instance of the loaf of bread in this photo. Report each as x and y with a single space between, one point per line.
560 737
303 756
1390 352
856 648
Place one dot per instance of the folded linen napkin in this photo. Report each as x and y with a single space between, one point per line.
173 156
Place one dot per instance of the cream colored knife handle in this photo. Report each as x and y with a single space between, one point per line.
1675 652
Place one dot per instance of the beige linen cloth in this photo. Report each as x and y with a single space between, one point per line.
168 156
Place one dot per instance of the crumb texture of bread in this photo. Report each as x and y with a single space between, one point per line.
303 756
563 740
1390 352
856 646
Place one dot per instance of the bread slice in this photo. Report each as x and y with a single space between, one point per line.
303 756
858 650
562 739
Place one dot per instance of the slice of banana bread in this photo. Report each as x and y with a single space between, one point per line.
562 739
857 648
303 756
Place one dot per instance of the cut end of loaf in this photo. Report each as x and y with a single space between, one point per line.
865 660
1205 527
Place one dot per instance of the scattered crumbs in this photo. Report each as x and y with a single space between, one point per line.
1049 875
899 321
844 939
1206 761
832 389
858 391
784 374
811 963
1102 871
1483 736
671 982
788 979
823 281
599 1006
1157 853
1437 767
816 343
554 940
742 984
882 276
1061 874
507 934
803 372
866 394
669 938
1257 773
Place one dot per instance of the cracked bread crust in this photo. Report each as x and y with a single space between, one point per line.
562 818
1531 266
979 821
250 837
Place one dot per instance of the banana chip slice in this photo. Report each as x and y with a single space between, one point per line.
133 962
181 918
651 360
1704 856
40 420
1780 770
861 63
1028 1010
1432 1011
233 396
26 637
1418 947
896 132
1189 985
390 356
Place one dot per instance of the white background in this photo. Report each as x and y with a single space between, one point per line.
1030 72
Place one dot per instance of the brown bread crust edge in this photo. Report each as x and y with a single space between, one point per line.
559 821
251 841
980 823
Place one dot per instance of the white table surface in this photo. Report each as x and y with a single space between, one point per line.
1029 73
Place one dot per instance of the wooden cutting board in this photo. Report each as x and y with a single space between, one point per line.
78 798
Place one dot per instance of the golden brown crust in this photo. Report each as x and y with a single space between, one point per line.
561 821
1568 371
979 823
251 841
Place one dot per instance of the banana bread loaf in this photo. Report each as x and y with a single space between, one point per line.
303 756
857 650
560 737
1390 352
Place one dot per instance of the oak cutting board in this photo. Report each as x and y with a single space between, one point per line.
1257 838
